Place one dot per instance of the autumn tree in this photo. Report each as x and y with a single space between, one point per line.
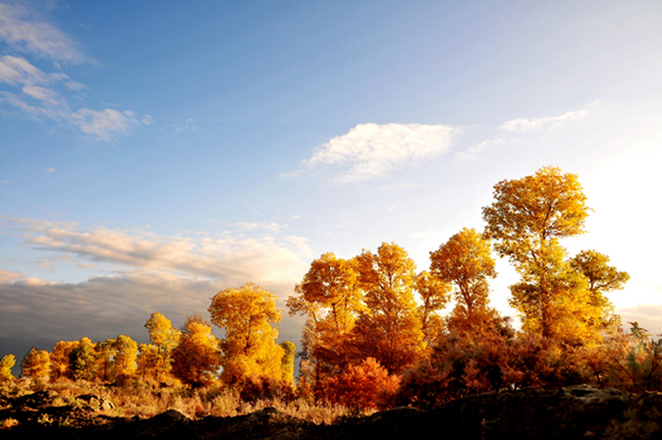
61 360
389 330
36 364
526 220
82 360
601 278
434 294
124 359
367 385
197 357
249 347
329 296
7 362
287 362
164 338
465 260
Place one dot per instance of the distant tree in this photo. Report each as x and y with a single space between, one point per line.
82 360
249 347
197 356
61 360
165 338
390 329
36 364
7 362
466 261
287 363
105 352
124 360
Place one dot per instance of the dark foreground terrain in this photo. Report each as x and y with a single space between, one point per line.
570 413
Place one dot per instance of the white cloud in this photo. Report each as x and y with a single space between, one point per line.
233 259
537 123
102 123
50 170
22 31
370 151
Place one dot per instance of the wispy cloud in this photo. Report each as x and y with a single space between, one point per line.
23 31
514 131
31 92
371 151
525 124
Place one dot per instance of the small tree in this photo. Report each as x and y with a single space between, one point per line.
36 364
6 364
197 357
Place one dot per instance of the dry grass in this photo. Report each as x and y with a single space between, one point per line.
147 400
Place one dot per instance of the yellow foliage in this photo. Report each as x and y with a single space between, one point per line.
249 347
36 364
197 356
6 364
390 330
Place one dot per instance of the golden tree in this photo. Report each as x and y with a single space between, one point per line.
197 357
6 364
527 219
83 360
249 347
390 329
434 294
164 337
124 359
36 364
61 359
466 261
601 278
330 297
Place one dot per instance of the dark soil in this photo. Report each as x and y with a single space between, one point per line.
580 412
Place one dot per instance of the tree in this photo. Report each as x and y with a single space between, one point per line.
526 220
363 386
164 337
7 362
197 356
389 330
330 297
249 346
601 278
466 261
287 363
124 360
61 360
36 364
434 294
82 360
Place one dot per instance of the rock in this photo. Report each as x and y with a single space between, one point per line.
96 402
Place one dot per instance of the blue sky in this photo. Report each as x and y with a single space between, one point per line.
154 153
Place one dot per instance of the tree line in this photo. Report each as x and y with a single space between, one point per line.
193 356
376 332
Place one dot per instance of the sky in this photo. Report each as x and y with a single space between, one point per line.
155 153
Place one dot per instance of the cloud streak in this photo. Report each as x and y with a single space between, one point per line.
371 151
539 123
515 131
267 259
31 92
24 32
